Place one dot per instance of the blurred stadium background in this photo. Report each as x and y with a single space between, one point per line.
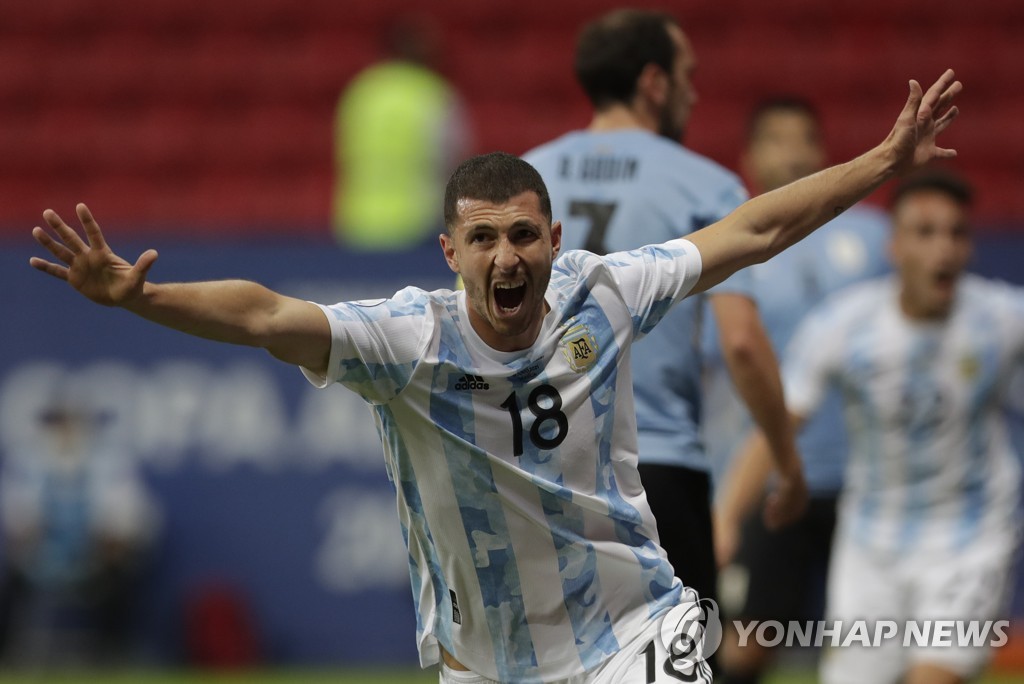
204 128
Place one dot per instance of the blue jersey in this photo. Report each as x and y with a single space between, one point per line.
532 549
849 249
619 190
931 467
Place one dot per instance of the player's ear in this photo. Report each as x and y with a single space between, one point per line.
556 239
450 255
653 84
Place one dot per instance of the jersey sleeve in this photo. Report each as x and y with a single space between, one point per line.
811 360
375 344
653 278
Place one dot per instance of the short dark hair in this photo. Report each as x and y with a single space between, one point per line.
494 177
613 50
781 103
939 180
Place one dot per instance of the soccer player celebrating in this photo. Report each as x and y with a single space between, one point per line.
533 552
928 523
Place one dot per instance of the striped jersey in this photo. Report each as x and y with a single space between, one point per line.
617 190
851 248
930 466
532 549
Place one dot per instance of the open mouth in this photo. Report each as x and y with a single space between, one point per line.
508 296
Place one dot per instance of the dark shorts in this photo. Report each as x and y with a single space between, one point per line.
681 501
785 570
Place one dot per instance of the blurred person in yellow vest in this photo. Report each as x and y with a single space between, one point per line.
400 129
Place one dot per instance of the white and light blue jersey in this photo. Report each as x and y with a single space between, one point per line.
532 549
617 190
931 466
849 249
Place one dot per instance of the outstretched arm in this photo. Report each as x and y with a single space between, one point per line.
744 486
754 370
235 311
769 223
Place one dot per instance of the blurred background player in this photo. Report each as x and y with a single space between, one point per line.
400 130
627 181
77 523
928 521
778 574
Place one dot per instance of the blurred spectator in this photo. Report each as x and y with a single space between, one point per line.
77 521
400 130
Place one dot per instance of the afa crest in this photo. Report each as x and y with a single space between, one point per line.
579 347
969 367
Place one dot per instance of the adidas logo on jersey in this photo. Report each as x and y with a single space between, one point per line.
471 382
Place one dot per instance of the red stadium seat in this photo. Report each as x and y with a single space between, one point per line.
160 98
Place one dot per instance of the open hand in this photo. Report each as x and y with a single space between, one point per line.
924 116
787 502
90 267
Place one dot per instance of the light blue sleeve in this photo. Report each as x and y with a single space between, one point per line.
376 344
811 360
671 270
650 280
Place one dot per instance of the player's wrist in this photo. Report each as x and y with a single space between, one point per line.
139 299
886 159
786 459
790 474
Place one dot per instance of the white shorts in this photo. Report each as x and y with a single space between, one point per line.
915 592
644 659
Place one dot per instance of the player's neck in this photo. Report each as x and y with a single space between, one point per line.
918 311
620 117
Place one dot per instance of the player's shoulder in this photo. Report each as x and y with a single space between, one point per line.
978 292
573 264
692 169
575 274
972 282
549 151
706 165
666 156
408 302
866 220
855 304
864 293
415 298
579 264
